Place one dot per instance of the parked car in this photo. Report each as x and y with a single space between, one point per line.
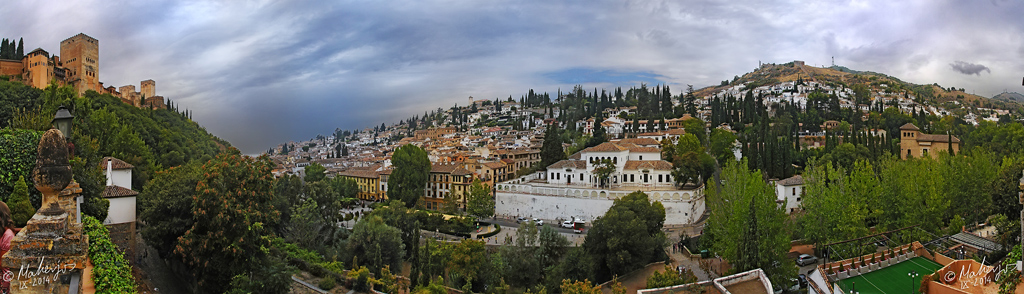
538 221
521 219
567 224
802 279
806 259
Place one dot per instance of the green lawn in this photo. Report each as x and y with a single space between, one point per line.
893 279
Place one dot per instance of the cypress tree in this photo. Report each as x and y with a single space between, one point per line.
950 145
3 49
21 48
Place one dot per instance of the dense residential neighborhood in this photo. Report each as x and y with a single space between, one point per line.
791 178
790 124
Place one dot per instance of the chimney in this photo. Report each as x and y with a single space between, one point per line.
110 180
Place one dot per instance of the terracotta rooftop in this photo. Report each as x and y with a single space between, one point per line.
569 163
792 181
118 191
642 141
645 149
909 127
605 147
461 172
937 138
443 168
494 165
116 163
647 164
360 173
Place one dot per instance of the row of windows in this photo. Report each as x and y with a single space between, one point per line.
631 177
594 160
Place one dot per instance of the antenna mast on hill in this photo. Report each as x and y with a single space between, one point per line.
833 61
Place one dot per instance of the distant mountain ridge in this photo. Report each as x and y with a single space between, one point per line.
1010 96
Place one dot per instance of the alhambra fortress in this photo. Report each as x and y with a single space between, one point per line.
78 66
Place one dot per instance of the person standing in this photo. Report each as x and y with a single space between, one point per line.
7 223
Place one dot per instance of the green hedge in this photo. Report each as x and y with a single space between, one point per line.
111 272
17 159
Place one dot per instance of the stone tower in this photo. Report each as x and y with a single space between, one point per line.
148 89
81 56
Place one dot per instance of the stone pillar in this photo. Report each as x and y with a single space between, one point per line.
48 255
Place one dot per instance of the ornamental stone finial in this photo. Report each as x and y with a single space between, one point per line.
53 171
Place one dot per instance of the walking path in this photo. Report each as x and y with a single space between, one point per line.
309 286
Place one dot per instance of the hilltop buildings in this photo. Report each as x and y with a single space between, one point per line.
78 66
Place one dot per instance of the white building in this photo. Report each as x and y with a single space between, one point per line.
122 211
790 191
635 166
571 187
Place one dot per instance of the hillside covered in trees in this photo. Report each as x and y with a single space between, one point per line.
151 140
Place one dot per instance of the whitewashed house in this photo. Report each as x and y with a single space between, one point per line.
790 191
122 211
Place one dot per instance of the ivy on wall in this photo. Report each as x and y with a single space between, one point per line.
111 272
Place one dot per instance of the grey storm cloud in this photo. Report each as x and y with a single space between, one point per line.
968 68
260 73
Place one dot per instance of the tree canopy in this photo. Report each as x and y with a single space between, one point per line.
627 237
408 180
746 226
232 215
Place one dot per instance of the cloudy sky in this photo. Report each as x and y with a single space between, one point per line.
259 73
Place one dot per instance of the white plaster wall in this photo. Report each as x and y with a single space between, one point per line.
645 156
122 177
785 193
556 207
122 210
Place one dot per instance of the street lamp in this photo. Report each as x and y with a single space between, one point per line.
912 275
854 290
62 121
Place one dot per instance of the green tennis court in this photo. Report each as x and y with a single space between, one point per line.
893 279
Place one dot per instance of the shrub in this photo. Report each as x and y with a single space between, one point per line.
111 272
309 260
360 279
21 207
326 283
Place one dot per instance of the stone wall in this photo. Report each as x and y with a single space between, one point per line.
123 235
677 212
11 68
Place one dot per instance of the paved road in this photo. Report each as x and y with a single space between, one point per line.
507 223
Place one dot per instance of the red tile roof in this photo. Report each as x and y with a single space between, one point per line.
359 173
569 163
909 127
118 191
605 147
647 164
792 181
116 164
